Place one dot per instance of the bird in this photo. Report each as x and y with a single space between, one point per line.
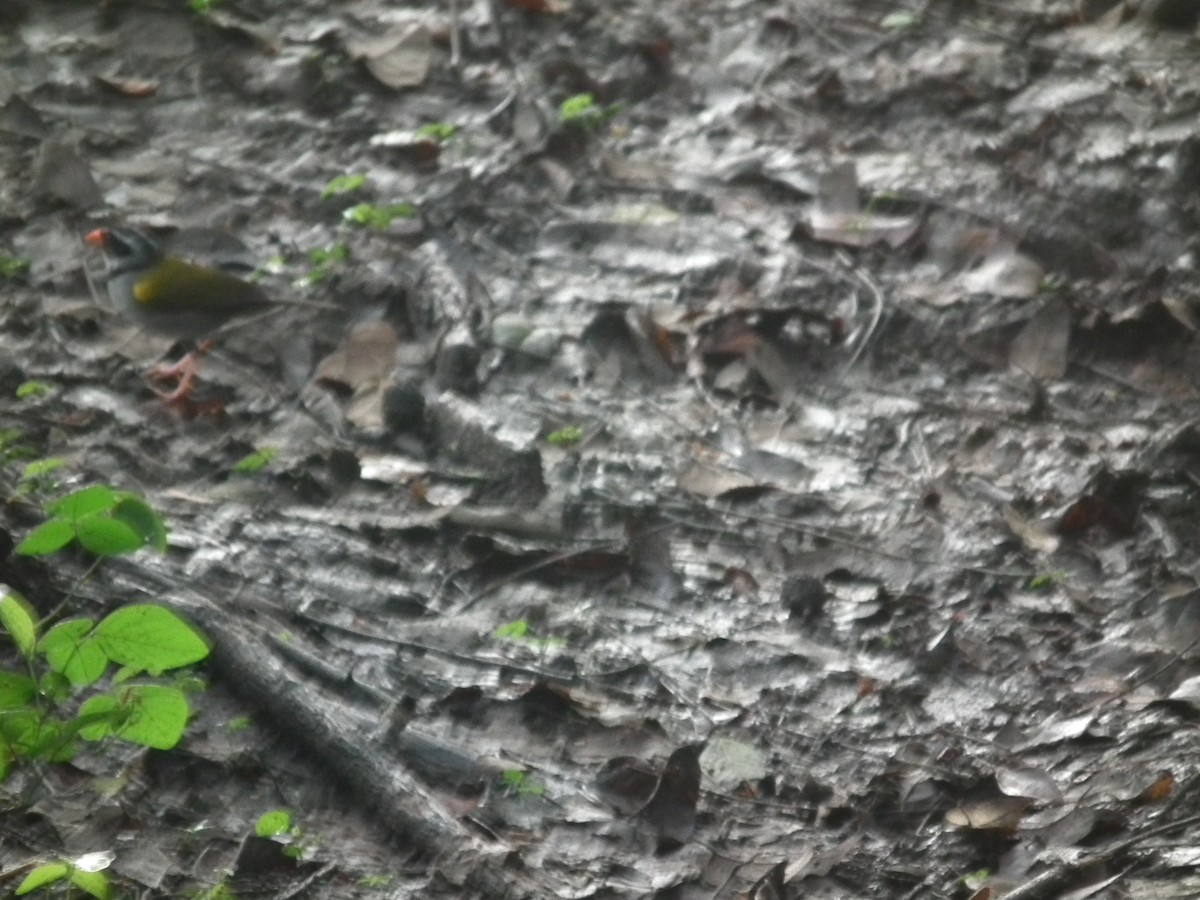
170 295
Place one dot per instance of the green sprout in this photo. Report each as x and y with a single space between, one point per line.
1046 581
436 131
202 6
35 476
324 260
519 631
104 521
378 217
256 461
12 266
375 882
582 109
34 389
566 436
343 184
517 781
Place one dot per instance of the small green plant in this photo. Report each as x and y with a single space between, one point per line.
368 215
85 873
256 461
518 630
1046 581
37 476
375 882
517 781
34 389
324 260
343 184
11 448
279 825
75 654
582 109
436 131
13 266
202 6
106 522
566 436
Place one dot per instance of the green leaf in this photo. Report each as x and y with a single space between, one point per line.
343 184
42 876
151 638
157 715
107 537
571 434
16 690
89 501
141 517
20 729
54 686
378 217
578 107
40 468
12 266
256 461
48 538
99 717
18 619
517 629
34 389
436 131
71 650
277 821
94 883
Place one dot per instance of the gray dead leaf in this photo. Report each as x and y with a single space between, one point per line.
1005 273
60 172
1033 783
399 58
836 216
1031 536
1040 349
18 117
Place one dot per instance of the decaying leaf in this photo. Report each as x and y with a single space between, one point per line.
1001 814
1040 349
399 58
837 216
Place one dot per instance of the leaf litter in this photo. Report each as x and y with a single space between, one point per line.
880 519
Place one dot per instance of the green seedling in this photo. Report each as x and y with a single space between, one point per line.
1046 581
13 266
343 184
519 631
85 873
279 825
75 654
368 215
256 461
324 261
517 781
104 521
34 389
375 882
582 109
566 436
436 131
36 476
